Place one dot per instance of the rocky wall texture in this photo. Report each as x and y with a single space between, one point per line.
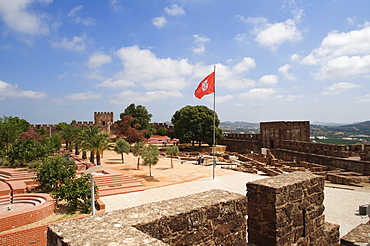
241 146
214 217
358 236
274 133
362 167
288 209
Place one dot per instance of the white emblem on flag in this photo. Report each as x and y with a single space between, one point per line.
205 85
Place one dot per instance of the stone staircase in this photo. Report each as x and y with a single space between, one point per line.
20 180
113 182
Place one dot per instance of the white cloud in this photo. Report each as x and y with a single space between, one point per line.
365 98
77 43
200 41
222 99
242 38
344 66
245 65
234 77
258 93
140 97
83 96
174 10
288 98
88 21
272 35
98 59
338 88
116 82
284 70
269 79
19 18
115 5
142 69
342 54
159 21
8 90
74 11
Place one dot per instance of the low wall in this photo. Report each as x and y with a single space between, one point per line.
362 167
11 220
214 217
35 235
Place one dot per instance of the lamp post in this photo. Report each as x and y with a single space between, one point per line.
92 170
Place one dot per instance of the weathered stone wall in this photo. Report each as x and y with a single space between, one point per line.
316 148
362 167
241 146
357 236
274 133
365 155
288 209
243 136
215 217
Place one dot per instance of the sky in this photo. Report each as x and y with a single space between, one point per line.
274 60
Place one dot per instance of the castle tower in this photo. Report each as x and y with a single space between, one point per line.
104 120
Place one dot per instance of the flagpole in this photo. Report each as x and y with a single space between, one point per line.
214 123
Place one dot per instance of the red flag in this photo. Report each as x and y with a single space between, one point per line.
207 86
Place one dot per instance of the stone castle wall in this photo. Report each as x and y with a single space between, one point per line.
316 148
357 166
273 133
215 217
288 210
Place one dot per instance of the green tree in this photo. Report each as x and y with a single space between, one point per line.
122 147
150 156
69 134
77 194
58 175
97 144
161 131
28 147
195 123
141 116
138 150
55 171
172 151
10 130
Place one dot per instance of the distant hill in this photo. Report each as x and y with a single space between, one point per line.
239 126
327 123
362 128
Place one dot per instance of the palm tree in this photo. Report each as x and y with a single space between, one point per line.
68 134
86 136
98 143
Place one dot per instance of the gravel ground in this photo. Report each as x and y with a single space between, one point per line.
341 202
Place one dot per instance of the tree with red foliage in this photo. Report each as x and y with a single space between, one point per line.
123 129
31 135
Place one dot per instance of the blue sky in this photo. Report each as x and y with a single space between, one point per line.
275 60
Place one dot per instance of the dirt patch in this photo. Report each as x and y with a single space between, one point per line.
162 173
